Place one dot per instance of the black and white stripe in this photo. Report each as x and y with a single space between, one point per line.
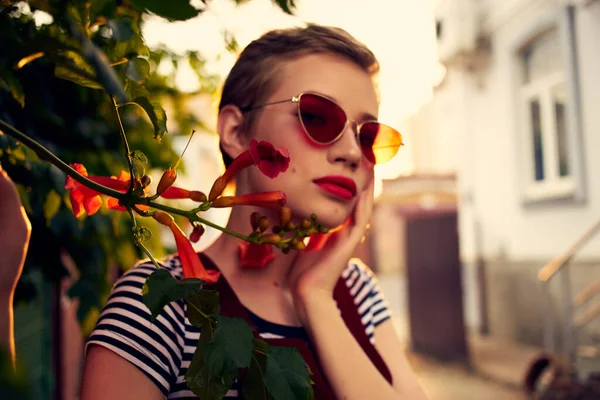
163 349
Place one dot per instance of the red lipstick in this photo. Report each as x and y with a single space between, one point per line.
337 185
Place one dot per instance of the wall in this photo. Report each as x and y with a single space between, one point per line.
481 113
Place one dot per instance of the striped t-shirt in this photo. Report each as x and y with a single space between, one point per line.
163 349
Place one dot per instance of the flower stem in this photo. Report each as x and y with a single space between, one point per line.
193 217
127 150
139 244
147 252
46 154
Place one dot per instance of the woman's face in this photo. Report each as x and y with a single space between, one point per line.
311 183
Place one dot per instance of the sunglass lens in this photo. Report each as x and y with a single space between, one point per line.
379 143
323 120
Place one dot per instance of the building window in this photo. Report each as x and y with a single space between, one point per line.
543 95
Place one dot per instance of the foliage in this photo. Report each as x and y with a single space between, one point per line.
77 122
227 346
75 86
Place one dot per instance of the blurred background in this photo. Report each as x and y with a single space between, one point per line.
485 232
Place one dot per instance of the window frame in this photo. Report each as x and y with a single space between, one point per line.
570 189
553 185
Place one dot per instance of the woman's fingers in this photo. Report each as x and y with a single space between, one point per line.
363 211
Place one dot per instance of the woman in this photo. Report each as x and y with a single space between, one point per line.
309 90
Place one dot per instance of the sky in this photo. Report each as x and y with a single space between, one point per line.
399 32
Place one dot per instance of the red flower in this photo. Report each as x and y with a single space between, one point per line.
190 262
113 203
179 193
86 200
270 161
253 255
264 199
197 233
166 180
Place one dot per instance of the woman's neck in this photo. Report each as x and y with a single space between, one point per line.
224 252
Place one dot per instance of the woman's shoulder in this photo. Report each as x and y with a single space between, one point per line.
368 297
126 326
357 271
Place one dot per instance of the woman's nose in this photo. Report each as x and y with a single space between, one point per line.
347 148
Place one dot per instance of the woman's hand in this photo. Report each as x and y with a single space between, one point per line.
15 231
314 274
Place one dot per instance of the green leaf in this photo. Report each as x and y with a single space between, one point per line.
129 48
121 29
9 82
24 195
198 376
156 114
204 303
254 386
286 375
161 289
231 347
286 6
196 62
173 10
140 161
105 73
219 356
231 44
73 67
138 69
135 90
51 205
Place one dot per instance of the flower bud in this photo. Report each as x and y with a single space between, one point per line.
254 218
271 238
266 199
146 181
285 215
294 242
163 218
263 224
217 188
323 229
197 233
277 229
313 216
223 202
300 246
306 224
197 196
290 226
166 180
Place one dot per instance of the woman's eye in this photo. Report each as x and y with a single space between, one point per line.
310 118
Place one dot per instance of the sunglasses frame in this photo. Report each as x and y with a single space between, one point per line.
297 99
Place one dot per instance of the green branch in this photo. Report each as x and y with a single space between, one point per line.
193 217
46 154
127 150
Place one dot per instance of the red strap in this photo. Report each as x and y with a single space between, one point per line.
353 321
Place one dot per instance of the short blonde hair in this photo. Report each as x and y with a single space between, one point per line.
253 77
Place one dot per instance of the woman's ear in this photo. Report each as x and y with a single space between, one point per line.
229 125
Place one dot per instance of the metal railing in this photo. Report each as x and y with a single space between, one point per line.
571 324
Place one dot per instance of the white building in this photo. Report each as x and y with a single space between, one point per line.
517 117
